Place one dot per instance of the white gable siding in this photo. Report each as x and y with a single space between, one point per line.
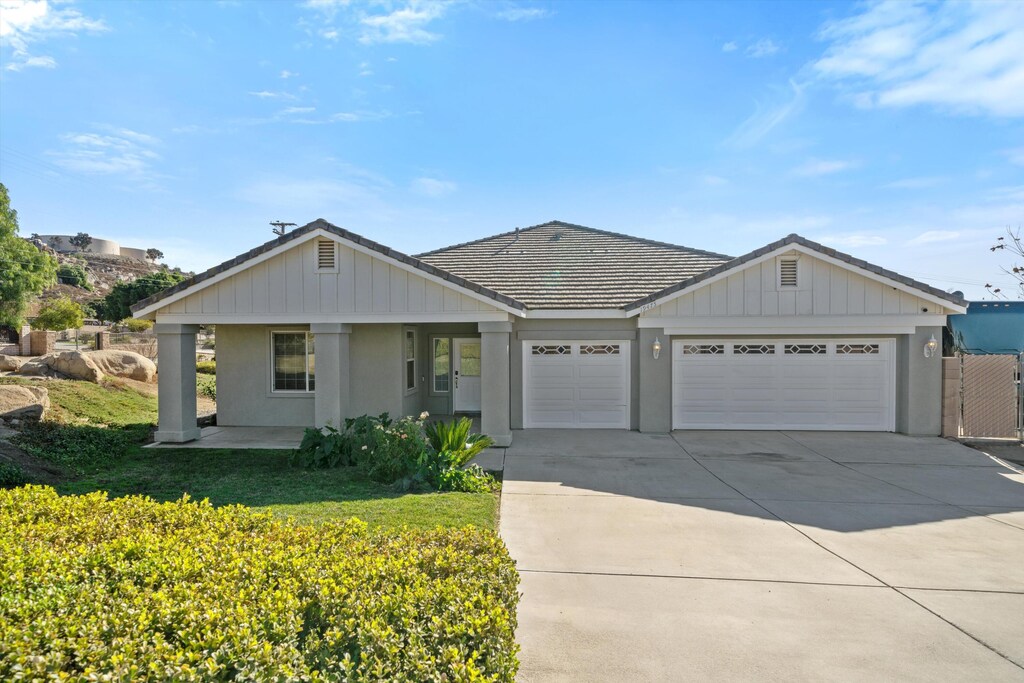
824 289
289 285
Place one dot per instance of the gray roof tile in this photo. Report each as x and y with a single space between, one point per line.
561 265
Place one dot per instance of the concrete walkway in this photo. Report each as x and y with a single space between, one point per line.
764 555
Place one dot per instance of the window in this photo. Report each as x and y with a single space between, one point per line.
410 360
704 349
788 272
442 363
326 256
805 349
552 350
294 361
850 349
753 349
599 350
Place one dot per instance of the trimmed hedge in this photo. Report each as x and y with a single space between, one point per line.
130 589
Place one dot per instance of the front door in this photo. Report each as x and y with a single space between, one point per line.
467 375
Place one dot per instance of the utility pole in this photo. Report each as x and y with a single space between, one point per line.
280 227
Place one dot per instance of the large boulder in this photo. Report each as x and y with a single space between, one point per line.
22 403
10 363
125 364
69 364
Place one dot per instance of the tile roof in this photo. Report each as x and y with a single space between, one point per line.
321 224
956 299
561 265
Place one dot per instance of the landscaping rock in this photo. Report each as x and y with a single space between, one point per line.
19 403
67 364
125 364
10 363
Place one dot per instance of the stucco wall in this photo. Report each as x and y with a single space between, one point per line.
97 246
243 382
569 330
918 384
376 364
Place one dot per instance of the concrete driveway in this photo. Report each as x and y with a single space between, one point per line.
764 555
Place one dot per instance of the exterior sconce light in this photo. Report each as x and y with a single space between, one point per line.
931 347
656 348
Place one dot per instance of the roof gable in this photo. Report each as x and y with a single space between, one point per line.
559 265
917 291
287 255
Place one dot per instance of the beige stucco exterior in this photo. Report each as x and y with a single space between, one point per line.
360 310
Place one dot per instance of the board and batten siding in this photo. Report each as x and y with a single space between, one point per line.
824 289
289 283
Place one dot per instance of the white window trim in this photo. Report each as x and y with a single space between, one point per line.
434 391
406 331
270 375
316 255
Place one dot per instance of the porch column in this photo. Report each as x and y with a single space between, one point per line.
176 400
495 402
331 395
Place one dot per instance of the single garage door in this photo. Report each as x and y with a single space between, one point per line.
795 384
576 384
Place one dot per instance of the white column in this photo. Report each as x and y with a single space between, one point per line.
176 358
494 390
331 345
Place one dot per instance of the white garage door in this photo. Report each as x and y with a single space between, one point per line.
799 384
576 384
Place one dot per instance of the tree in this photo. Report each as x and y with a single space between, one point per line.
74 275
1015 245
59 314
117 304
56 242
154 254
82 240
25 271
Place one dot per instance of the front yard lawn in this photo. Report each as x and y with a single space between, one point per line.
264 479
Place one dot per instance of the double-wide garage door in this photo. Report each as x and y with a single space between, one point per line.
800 384
576 384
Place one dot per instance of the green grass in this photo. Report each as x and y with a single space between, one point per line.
110 403
264 479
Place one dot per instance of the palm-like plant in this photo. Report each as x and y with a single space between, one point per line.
455 439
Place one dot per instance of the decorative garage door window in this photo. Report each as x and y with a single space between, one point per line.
559 350
847 349
704 349
754 349
599 349
806 349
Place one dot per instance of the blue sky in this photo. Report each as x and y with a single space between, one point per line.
893 131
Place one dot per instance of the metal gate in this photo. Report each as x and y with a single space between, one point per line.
991 399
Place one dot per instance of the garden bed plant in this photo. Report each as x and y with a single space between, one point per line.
129 589
408 452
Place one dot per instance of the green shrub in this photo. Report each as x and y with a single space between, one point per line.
206 367
136 324
206 385
133 590
74 275
79 448
455 438
11 475
398 452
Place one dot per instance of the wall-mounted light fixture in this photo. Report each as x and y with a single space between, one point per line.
931 347
656 348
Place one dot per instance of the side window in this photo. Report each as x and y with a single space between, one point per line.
294 361
442 365
410 360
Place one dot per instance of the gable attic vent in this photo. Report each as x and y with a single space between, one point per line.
325 255
787 272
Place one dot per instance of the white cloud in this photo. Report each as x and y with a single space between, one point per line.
298 110
286 74
916 183
852 240
272 95
762 48
118 151
820 167
405 25
432 187
964 57
364 69
731 46
714 180
767 116
523 14
24 22
934 236
1016 156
